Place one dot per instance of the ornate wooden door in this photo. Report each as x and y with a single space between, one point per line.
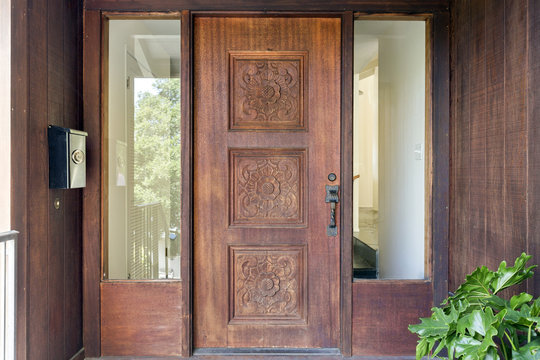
267 135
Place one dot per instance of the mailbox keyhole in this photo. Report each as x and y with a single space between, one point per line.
77 156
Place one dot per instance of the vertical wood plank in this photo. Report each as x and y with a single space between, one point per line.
459 246
477 101
37 162
72 272
494 17
515 132
55 115
533 181
92 192
19 169
441 152
347 38
187 182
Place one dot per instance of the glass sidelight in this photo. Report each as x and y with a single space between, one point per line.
142 150
389 149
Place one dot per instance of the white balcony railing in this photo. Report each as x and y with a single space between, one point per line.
8 281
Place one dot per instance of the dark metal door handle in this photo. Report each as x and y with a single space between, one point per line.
332 198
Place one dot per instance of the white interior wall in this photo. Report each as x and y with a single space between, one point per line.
365 147
400 46
401 129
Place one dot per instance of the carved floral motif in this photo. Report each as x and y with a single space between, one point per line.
267 91
268 189
267 284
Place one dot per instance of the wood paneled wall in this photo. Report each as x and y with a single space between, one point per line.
495 137
46 82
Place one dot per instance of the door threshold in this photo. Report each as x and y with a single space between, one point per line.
266 351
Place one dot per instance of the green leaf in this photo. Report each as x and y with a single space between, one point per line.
492 354
497 303
429 327
488 342
512 275
517 300
530 351
535 308
467 347
476 285
481 321
422 348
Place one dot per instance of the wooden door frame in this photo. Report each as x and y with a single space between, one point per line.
92 112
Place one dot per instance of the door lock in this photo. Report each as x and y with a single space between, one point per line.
332 198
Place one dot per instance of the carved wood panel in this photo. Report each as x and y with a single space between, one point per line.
267 90
267 187
268 284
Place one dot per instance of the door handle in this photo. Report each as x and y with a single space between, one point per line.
332 198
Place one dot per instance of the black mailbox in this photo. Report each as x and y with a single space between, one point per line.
67 158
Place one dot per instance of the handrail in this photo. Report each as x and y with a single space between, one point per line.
8 235
8 293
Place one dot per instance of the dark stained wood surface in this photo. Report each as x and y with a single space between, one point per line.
37 182
92 192
187 184
494 171
459 244
494 202
45 80
440 181
477 132
141 318
19 154
224 226
347 46
533 180
382 310
515 131
72 231
257 5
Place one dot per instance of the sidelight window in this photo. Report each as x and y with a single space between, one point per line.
390 161
142 150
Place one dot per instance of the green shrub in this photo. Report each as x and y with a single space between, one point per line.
476 324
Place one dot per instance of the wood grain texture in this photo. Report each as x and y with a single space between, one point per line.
533 130
411 6
141 318
494 61
186 251
212 233
267 187
493 160
268 285
19 168
440 145
92 192
56 260
267 89
72 109
38 266
346 179
47 52
398 303
460 238
515 132
477 133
